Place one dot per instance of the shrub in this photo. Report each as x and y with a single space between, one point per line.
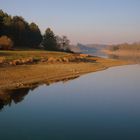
5 43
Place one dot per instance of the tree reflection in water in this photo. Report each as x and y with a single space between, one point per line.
9 96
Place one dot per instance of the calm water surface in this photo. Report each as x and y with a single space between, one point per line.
99 106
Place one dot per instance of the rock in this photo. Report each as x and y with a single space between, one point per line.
59 60
19 84
84 55
64 59
51 59
43 60
2 60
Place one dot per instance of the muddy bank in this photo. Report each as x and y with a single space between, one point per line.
30 75
11 59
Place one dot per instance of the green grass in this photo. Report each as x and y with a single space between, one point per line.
36 54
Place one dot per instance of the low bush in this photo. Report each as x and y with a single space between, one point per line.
5 43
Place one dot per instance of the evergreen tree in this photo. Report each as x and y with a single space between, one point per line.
35 36
49 40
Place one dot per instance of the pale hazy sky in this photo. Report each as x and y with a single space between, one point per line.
85 21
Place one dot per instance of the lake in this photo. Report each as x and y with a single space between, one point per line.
103 105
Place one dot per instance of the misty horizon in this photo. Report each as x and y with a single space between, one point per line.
88 22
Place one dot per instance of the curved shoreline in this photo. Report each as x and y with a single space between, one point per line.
43 73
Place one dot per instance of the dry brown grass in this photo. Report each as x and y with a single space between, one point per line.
27 75
13 55
30 57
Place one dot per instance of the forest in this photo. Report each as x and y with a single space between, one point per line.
17 33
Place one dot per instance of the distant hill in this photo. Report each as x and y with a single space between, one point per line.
88 48
97 46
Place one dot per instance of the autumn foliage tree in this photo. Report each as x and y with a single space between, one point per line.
5 43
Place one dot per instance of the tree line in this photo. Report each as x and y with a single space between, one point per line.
16 31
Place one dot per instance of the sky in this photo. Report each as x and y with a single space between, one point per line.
82 21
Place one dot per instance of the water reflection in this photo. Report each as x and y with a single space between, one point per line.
98 106
9 96
131 58
99 53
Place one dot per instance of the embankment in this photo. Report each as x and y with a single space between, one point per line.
20 76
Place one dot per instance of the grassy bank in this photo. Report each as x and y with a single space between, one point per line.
20 76
9 56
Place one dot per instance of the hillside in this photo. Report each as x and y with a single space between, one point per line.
88 48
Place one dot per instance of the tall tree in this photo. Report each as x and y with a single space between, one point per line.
35 35
2 15
20 31
49 40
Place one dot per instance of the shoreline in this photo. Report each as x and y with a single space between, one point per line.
122 52
26 76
